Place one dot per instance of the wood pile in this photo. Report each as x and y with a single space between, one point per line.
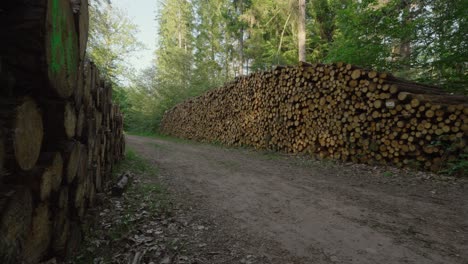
334 111
60 133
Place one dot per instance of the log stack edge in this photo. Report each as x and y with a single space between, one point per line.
60 133
337 111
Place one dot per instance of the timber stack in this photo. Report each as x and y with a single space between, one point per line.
60 132
337 111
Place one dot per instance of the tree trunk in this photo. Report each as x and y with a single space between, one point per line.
241 40
301 27
404 48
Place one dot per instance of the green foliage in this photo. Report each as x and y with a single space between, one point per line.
455 160
387 174
458 166
420 40
112 38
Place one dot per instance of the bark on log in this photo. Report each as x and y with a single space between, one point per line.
15 219
60 232
74 238
38 239
79 90
60 121
87 83
80 122
2 157
72 153
81 14
98 176
91 193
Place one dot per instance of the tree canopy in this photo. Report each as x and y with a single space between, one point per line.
112 39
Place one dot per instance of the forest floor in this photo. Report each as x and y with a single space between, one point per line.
211 204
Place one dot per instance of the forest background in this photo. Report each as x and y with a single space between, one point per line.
202 44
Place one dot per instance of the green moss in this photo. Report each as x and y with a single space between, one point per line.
62 43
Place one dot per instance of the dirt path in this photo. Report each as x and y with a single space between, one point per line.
320 212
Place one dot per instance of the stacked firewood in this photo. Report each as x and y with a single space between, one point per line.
60 133
334 111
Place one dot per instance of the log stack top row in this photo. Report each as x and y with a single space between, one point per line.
60 132
335 111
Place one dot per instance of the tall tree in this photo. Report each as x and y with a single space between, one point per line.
174 53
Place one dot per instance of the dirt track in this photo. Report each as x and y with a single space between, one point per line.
319 212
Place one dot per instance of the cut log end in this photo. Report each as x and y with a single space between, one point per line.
28 134
62 47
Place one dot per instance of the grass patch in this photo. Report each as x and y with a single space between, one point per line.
271 155
163 137
135 164
387 174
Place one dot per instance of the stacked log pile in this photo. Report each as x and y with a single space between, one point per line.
334 111
60 133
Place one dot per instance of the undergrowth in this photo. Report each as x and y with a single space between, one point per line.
134 164
458 166
109 226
